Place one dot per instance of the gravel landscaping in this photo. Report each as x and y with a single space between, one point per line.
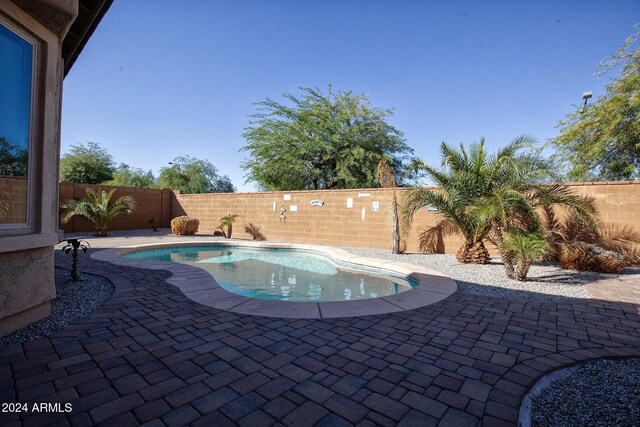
74 301
544 282
599 393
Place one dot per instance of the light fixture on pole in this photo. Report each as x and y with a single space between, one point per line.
585 96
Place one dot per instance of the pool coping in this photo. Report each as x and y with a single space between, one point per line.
200 286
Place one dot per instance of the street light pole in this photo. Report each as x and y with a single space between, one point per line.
583 110
179 165
585 96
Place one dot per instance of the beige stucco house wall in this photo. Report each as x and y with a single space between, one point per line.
26 244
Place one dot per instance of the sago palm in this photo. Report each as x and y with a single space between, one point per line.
97 207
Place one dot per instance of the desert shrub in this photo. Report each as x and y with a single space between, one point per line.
254 232
184 225
589 257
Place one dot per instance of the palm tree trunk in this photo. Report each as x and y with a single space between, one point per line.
507 258
473 253
522 270
395 226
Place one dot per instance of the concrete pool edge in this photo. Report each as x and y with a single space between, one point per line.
200 286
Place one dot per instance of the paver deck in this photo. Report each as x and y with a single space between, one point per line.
151 355
200 286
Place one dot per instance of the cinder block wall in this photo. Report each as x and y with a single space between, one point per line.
151 203
618 204
334 223
13 199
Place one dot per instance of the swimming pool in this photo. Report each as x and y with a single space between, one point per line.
200 286
280 274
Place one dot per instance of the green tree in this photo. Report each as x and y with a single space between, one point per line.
603 142
97 207
90 164
14 159
126 176
193 176
320 141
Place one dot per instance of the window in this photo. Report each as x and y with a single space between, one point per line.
16 76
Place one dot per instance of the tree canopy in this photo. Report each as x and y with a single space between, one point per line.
320 141
126 176
603 142
14 158
90 164
191 175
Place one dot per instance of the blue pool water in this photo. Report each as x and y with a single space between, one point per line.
282 274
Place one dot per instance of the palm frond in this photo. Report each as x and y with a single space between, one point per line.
96 206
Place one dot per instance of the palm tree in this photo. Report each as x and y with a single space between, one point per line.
518 204
524 247
463 179
255 232
498 210
386 178
483 196
96 206
227 221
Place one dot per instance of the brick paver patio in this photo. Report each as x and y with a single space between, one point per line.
150 355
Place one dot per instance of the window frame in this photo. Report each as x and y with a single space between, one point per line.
29 225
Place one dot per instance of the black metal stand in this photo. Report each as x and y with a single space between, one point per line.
72 246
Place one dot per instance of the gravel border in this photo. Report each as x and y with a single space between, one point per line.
596 393
544 282
74 301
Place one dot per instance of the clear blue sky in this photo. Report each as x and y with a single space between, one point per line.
15 88
161 79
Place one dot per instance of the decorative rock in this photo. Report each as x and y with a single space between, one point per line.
74 301
599 393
